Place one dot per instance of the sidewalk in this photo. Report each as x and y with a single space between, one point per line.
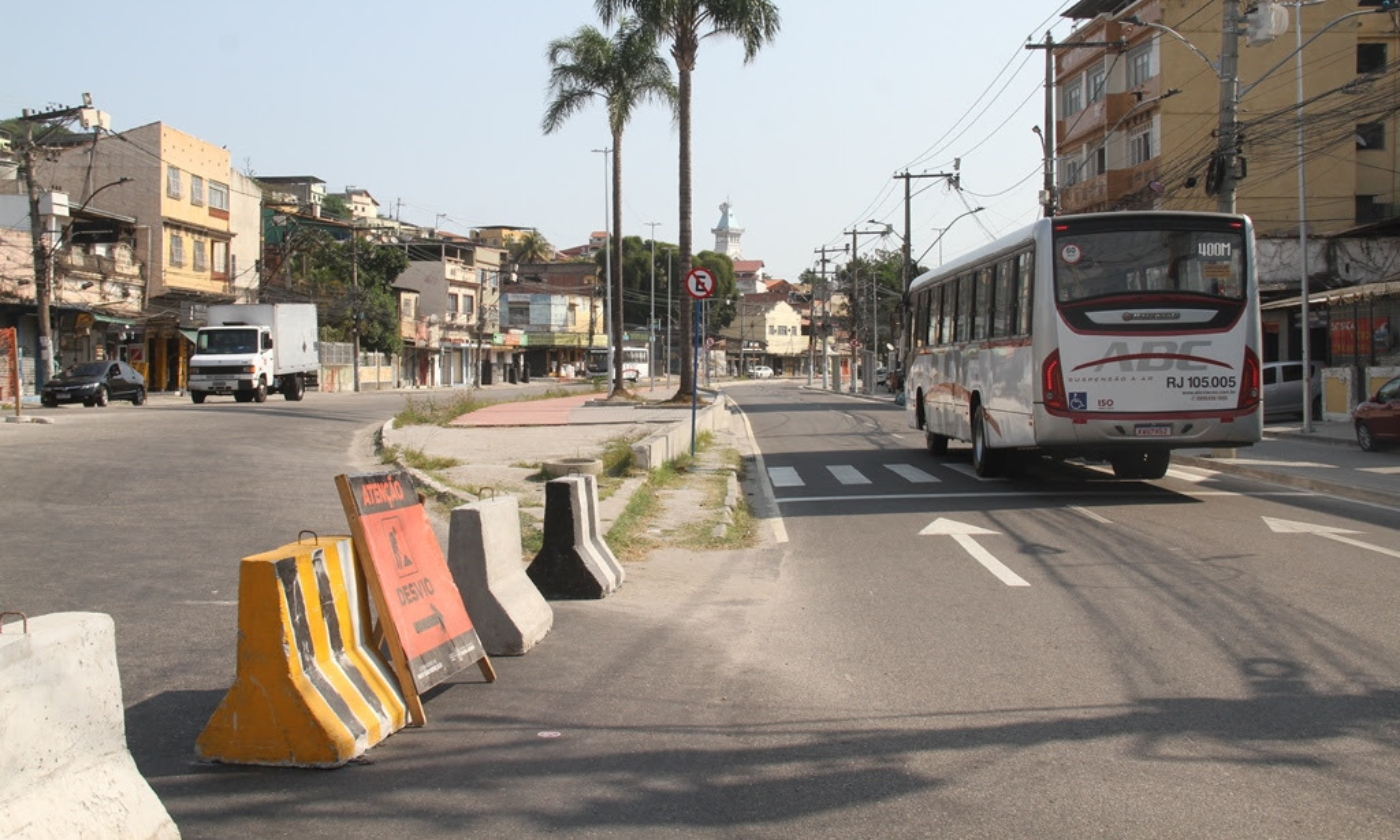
1326 460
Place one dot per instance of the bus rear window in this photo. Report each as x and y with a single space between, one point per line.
1100 264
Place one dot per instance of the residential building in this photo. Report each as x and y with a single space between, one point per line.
1136 123
180 191
97 287
454 287
767 329
551 313
303 194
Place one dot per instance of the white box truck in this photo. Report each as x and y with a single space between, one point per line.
250 350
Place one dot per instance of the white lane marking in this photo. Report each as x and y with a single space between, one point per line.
1285 526
1030 494
1264 462
784 477
1193 476
1082 511
847 474
779 530
911 473
1380 470
964 534
967 470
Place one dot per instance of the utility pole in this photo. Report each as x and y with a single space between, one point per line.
873 279
826 314
1048 197
355 302
43 264
1227 152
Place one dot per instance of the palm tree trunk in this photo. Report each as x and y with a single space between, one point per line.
616 256
687 379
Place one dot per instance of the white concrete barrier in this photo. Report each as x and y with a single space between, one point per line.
569 564
672 442
64 767
485 557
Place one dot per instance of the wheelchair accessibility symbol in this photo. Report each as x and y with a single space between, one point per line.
1079 400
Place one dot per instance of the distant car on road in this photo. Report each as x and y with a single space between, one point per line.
761 372
1283 389
95 383
1377 420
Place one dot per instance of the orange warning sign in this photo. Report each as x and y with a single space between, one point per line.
420 609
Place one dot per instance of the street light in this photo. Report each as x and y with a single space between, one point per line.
944 230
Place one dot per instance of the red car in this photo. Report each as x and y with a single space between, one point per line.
1377 420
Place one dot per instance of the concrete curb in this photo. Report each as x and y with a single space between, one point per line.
1315 485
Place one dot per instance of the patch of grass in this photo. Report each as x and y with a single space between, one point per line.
420 460
617 457
531 535
442 410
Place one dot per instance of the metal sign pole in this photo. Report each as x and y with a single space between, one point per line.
695 377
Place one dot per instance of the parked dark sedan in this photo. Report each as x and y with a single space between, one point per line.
95 383
1378 419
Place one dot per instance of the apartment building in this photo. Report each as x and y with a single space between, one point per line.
1137 118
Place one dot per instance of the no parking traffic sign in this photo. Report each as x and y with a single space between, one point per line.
700 283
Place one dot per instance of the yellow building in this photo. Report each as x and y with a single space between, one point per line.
179 192
1137 120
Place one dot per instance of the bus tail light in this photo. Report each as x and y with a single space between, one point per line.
1250 388
1052 382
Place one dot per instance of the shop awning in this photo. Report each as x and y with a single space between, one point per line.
1338 297
112 319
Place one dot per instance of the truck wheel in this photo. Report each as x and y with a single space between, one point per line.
292 388
260 392
197 397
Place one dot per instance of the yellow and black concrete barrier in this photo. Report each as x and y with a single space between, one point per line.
311 690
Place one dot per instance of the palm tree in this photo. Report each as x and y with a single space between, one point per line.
531 247
685 23
623 71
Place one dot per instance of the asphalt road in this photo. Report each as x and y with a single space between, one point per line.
1168 665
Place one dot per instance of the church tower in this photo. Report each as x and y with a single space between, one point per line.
728 233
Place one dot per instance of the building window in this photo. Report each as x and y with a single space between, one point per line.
218 196
1095 79
1370 58
1369 210
172 182
1139 64
1073 172
451 304
571 316
1074 96
197 249
1370 136
1140 146
1100 160
219 263
519 314
177 250
196 190
468 304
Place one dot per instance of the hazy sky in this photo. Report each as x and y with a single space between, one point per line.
435 109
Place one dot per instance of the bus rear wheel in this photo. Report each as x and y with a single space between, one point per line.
1141 463
985 460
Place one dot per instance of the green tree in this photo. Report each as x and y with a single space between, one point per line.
684 24
880 275
350 279
335 207
624 72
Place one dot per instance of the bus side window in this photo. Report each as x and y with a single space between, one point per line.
966 298
1023 309
1004 299
931 315
949 291
982 306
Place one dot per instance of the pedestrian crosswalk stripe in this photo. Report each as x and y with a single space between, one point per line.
847 474
784 477
911 473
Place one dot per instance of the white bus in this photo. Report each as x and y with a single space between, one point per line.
1110 336
636 362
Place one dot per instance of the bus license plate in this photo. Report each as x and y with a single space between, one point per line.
1153 430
